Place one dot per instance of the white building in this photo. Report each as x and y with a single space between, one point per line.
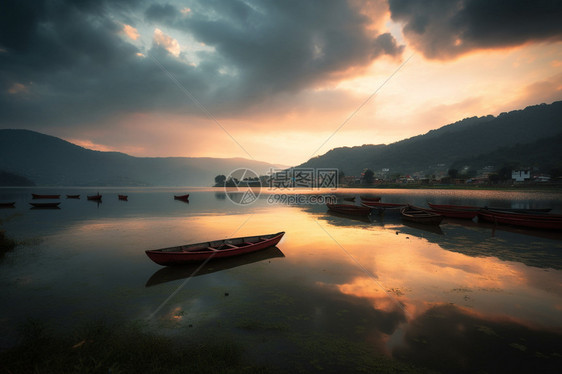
520 175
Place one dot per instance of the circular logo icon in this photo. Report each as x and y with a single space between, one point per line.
242 186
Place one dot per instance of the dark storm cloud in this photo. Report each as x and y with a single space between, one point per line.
64 62
444 29
286 45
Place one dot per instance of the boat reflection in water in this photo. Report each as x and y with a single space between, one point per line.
169 274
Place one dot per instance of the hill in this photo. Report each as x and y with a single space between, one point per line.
464 140
48 160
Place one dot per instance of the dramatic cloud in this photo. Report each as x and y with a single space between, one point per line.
88 62
445 29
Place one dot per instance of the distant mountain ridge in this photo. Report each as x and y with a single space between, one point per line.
48 160
463 140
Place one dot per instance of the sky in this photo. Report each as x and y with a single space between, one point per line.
275 81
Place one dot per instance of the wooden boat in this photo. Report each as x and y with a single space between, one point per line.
36 196
535 221
378 205
348 209
172 273
189 253
94 197
181 197
352 199
72 196
123 197
477 208
446 211
370 198
419 215
45 205
10 204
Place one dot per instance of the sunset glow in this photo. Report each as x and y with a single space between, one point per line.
255 81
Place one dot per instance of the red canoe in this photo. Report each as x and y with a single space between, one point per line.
370 198
72 196
534 221
477 208
123 197
375 204
453 211
419 215
189 253
181 197
36 196
45 205
353 210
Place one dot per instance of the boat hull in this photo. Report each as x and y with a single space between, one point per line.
533 221
45 205
94 197
36 196
348 209
378 205
421 216
224 248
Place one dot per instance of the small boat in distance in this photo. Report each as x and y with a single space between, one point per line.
198 252
11 204
527 220
370 198
418 215
451 212
181 197
72 196
378 205
477 208
348 209
123 197
45 205
352 199
94 197
36 196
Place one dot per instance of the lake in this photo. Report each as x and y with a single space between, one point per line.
334 291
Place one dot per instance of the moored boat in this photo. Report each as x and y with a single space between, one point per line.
37 196
535 221
379 205
477 208
198 252
45 205
172 273
181 197
419 215
96 197
352 199
123 197
11 204
370 198
354 210
446 211
72 196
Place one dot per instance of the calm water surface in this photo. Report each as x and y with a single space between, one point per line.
335 289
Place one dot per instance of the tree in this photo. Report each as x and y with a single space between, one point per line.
453 173
368 176
219 180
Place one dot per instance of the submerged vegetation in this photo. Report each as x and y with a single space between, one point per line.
102 348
